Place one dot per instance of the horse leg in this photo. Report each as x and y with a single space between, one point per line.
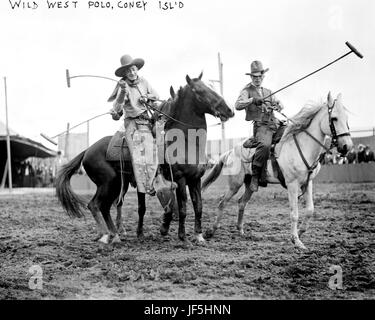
196 198
167 218
233 189
293 202
242 205
93 206
309 208
108 194
119 203
181 201
141 213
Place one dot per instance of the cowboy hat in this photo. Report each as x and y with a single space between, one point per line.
126 62
257 69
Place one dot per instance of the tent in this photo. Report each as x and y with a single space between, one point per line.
21 148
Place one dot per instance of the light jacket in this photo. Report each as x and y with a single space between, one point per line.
127 99
253 112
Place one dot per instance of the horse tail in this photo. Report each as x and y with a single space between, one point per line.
214 173
70 201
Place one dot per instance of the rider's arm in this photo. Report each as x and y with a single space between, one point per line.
243 100
118 104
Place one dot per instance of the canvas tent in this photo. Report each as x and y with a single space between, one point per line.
21 148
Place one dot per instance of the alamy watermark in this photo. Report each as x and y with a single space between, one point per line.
335 282
36 279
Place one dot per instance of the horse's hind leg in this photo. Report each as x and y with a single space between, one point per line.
100 207
101 224
233 189
309 209
196 198
141 213
242 205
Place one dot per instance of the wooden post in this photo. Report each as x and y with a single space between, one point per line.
66 151
4 175
88 134
222 93
9 156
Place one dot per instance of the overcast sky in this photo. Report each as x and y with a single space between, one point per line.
292 38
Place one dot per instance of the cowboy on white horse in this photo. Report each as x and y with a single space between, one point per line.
265 130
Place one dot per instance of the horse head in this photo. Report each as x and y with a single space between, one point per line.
207 100
336 124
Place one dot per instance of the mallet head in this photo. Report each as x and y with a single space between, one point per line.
353 49
67 78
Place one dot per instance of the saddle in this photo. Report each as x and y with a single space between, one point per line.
116 148
253 143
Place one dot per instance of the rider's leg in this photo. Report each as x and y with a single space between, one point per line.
263 135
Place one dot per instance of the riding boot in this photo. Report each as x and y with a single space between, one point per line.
255 178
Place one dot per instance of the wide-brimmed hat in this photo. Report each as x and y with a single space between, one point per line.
257 69
126 62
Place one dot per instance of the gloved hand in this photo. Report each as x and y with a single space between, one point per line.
143 99
258 101
115 115
122 84
278 106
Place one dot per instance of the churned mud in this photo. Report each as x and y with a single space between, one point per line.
36 233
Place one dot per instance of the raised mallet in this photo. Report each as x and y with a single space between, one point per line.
352 49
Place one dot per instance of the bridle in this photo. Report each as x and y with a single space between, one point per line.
334 135
334 143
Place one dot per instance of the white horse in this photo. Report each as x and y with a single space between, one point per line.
297 155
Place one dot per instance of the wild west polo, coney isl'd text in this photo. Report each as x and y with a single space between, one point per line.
188 310
112 5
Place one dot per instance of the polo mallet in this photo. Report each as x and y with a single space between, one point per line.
352 49
68 77
50 139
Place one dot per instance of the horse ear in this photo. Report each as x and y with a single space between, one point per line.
329 99
339 97
188 80
171 90
200 76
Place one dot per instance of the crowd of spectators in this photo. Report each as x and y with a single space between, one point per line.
359 154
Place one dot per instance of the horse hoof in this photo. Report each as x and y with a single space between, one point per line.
199 238
298 243
242 233
140 235
116 239
182 237
209 233
104 239
121 230
164 230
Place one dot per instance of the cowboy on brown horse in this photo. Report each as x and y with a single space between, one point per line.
132 96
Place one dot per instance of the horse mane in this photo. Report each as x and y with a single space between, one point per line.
302 120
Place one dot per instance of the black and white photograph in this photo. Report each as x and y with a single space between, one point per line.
195 151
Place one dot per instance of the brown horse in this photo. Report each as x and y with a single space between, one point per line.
186 114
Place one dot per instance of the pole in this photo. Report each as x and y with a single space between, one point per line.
9 157
88 133
66 151
221 93
4 175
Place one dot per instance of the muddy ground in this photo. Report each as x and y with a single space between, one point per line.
263 264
